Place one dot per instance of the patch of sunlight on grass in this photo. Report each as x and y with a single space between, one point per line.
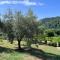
49 49
7 44
12 56
4 56
17 56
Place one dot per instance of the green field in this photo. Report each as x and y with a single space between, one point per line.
42 52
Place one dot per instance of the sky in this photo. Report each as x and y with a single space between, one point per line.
41 8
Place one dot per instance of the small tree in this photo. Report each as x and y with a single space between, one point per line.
50 34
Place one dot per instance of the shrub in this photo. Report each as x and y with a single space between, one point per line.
57 32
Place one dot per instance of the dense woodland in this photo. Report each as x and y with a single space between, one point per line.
17 26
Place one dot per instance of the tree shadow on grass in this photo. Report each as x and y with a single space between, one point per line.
41 54
34 52
6 50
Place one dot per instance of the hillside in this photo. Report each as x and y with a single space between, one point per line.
53 22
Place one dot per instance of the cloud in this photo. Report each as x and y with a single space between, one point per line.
24 2
41 4
29 3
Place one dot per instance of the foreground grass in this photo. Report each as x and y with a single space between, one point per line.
7 52
43 52
11 56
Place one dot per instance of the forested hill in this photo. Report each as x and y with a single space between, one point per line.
53 22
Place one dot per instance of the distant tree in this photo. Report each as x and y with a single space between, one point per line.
50 34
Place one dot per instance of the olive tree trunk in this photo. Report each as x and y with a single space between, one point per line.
19 44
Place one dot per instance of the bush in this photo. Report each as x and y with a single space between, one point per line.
50 34
57 32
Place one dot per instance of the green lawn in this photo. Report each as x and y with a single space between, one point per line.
43 52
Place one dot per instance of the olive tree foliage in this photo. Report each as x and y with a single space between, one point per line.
1 25
19 27
41 36
8 25
31 26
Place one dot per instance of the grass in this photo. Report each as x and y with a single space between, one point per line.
11 56
7 52
50 49
54 39
43 52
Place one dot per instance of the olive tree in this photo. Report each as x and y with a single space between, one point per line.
25 26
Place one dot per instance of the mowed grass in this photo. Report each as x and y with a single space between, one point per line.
7 52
